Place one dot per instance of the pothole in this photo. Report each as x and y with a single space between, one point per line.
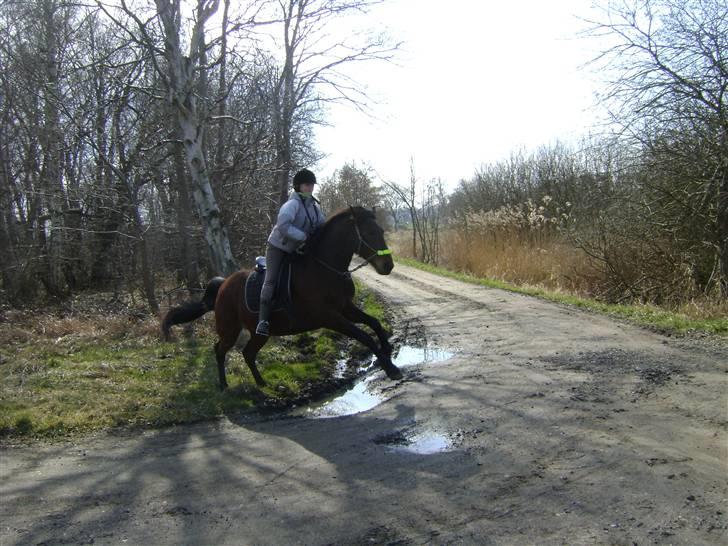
362 396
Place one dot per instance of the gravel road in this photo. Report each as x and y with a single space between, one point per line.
546 425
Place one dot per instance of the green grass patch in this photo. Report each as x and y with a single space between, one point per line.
644 315
88 379
371 304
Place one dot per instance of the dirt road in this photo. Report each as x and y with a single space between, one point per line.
547 426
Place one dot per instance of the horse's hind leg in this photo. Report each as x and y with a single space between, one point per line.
221 350
250 352
228 336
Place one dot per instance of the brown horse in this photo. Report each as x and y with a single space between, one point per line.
321 293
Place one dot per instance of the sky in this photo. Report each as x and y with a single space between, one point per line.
474 80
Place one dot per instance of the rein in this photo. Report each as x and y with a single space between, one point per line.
374 254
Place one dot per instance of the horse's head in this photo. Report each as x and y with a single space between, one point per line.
371 245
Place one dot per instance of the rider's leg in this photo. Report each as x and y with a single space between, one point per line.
273 258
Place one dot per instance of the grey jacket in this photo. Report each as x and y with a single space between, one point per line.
297 219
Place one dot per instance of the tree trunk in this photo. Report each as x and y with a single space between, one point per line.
214 232
722 230
143 249
222 92
182 93
50 141
190 270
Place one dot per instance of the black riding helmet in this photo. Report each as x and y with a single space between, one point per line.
304 176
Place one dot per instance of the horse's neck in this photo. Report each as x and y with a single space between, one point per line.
336 248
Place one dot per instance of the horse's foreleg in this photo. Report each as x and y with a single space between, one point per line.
343 326
354 314
250 352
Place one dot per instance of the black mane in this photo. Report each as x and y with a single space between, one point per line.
357 212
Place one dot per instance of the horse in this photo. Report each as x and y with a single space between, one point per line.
321 294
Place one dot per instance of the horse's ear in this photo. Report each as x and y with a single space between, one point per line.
351 210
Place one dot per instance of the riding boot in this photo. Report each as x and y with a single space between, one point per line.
263 328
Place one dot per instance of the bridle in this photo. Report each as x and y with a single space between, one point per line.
374 254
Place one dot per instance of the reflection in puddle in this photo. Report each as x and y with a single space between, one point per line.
355 400
422 442
360 397
425 443
409 356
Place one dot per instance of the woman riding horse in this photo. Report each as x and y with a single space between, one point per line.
298 219
322 293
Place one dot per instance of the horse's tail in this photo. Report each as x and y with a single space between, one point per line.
187 312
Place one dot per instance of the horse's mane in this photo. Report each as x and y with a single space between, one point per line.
359 213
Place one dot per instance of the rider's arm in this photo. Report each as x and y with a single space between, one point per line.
286 217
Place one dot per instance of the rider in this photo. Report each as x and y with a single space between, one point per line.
297 219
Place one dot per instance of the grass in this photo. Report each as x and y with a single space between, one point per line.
645 315
78 374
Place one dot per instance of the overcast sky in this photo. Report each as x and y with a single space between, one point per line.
475 80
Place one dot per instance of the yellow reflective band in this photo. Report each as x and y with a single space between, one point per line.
383 252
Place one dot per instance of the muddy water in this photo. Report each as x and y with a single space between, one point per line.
362 396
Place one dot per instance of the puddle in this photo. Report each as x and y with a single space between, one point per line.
427 442
362 397
411 356
355 400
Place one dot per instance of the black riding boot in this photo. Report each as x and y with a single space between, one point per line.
263 328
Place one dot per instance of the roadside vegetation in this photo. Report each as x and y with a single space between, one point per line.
64 373
707 317
633 219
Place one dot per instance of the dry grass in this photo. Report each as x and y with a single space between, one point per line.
551 265
543 261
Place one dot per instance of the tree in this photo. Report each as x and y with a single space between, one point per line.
669 76
183 76
425 206
349 186
311 74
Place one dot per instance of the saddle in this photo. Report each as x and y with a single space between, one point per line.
281 296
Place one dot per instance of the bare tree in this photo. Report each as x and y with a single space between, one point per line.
311 74
183 76
425 205
667 93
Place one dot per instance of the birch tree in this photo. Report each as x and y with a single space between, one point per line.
179 73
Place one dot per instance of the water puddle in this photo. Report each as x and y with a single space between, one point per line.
425 443
422 442
357 399
362 397
411 356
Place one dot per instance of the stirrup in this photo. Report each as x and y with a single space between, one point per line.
263 328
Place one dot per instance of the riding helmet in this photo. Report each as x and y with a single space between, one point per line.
304 176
